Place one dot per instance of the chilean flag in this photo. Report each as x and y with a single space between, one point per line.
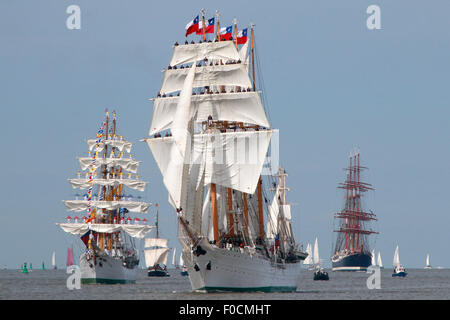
242 36
209 27
226 33
192 26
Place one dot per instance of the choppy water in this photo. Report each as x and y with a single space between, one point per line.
51 284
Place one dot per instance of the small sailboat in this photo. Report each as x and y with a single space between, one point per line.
309 259
156 253
184 271
374 262
428 265
69 257
174 259
399 270
319 274
379 262
53 261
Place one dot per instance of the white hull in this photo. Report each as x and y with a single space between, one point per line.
106 270
236 271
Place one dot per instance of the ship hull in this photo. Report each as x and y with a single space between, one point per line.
106 270
352 262
228 270
157 273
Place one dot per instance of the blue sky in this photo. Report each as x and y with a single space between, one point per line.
331 84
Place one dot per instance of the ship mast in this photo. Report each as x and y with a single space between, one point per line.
353 218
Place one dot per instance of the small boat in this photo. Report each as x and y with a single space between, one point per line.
53 261
399 270
69 257
319 274
156 254
24 268
184 271
309 259
379 262
428 265
174 259
373 261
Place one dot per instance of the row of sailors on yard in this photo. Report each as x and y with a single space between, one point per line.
97 197
192 42
121 220
207 91
205 63
209 124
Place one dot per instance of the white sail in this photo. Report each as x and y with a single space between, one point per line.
156 242
240 107
156 256
225 50
54 259
79 229
272 220
181 259
131 183
174 263
374 263
126 163
316 256
82 205
119 144
396 261
379 262
215 75
243 51
428 260
216 154
171 156
308 260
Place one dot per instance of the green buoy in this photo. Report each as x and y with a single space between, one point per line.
24 269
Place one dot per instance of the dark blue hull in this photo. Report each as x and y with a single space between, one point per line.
158 273
352 262
321 276
400 274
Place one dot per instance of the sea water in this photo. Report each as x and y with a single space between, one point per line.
51 285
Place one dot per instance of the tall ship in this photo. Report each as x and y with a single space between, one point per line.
352 249
209 135
108 233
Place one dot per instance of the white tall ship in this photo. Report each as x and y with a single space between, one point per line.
209 136
107 231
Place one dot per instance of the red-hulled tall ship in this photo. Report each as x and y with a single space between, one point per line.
352 252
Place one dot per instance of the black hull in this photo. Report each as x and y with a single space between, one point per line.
352 262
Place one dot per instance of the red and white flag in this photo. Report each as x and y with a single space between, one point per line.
226 33
192 26
209 27
242 36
